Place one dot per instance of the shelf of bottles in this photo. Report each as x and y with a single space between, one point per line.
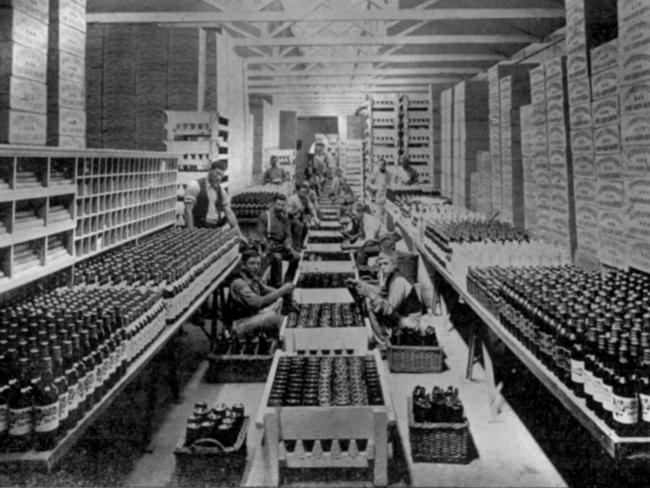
589 332
59 205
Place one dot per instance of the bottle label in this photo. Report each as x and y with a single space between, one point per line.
645 407
46 417
561 356
99 375
577 371
626 410
20 421
607 397
4 418
73 397
89 385
598 389
64 399
589 383
81 390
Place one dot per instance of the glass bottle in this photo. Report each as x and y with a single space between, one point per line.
46 409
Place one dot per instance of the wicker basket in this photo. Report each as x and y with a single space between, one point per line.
438 442
415 359
240 368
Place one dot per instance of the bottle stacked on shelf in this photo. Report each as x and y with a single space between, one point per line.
62 352
461 244
220 423
251 203
251 345
324 280
414 337
180 262
325 315
440 406
591 330
325 239
396 193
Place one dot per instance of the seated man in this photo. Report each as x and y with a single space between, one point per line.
252 305
368 234
274 230
302 212
274 175
396 303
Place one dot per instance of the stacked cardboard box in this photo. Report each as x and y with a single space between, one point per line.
470 135
183 69
94 84
66 97
23 60
634 79
514 92
417 140
528 166
446 145
484 199
494 106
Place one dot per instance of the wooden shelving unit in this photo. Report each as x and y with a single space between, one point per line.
417 139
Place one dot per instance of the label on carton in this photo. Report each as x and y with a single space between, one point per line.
577 65
583 165
612 223
605 111
537 76
637 190
580 91
639 255
635 98
68 39
557 157
636 160
557 135
538 117
580 115
22 128
20 27
613 252
71 95
23 61
543 179
634 36
604 56
22 94
585 190
70 67
630 10
607 140
582 141
554 67
554 90
586 215
609 166
71 13
635 129
587 239
635 67
555 112
558 181
611 193
540 140
638 223
71 122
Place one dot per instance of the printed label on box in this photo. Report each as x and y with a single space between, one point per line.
71 67
611 193
23 61
637 190
585 190
555 112
582 141
554 67
587 238
635 67
630 10
607 140
583 165
586 215
638 223
69 39
635 98
580 91
639 254
23 28
554 90
22 94
580 115
634 36
636 160
72 14
613 252
577 66
557 158
612 223
605 111
604 56
609 166
537 76
635 129
71 95
538 117
557 135
22 128
605 83
560 200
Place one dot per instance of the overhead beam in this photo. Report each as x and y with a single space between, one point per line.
379 58
326 82
284 73
384 40
363 89
326 15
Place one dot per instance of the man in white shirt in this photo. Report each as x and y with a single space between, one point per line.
301 211
378 186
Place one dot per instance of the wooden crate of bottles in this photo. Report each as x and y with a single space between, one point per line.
414 351
313 263
438 429
326 431
236 361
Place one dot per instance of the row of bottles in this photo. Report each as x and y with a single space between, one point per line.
438 406
591 330
250 204
220 423
61 352
258 344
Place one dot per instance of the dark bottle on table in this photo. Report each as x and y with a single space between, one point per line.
626 404
6 374
80 366
644 393
20 402
577 361
72 377
61 383
608 377
598 374
590 360
46 409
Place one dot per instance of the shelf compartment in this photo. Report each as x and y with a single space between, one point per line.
7 169
28 256
59 247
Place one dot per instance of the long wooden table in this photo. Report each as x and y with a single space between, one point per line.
45 460
618 447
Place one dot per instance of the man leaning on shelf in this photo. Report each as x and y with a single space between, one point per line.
207 204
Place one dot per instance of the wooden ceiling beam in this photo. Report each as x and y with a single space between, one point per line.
326 82
285 73
326 15
379 58
357 88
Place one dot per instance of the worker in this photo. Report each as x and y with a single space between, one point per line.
407 175
274 175
312 176
207 204
395 303
340 187
253 306
302 212
322 162
378 186
274 229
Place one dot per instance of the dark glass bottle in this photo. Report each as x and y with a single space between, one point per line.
20 404
576 338
46 409
626 404
72 377
644 393
61 382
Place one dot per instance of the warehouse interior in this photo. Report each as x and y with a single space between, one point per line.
325 243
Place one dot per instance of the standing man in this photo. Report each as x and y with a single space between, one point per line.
207 204
322 162
378 186
274 175
274 230
409 176
252 306
302 212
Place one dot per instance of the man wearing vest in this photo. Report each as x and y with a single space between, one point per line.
252 305
207 205
274 230
302 212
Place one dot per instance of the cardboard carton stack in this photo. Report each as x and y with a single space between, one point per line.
446 144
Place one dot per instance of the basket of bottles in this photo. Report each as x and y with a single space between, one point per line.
438 429
241 361
213 439
415 351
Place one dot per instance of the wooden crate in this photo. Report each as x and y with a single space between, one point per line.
322 295
240 368
332 424
322 247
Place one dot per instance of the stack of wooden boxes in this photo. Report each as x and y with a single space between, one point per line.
484 200
494 107
66 98
634 71
528 165
23 76
417 135
94 83
470 135
446 145
182 69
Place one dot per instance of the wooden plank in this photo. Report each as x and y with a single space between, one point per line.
377 58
